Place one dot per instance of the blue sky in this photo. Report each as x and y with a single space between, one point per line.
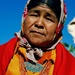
11 14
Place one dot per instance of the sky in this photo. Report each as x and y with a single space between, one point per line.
11 15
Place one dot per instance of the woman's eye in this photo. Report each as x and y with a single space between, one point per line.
49 19
34 15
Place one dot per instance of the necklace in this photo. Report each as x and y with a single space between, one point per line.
36 67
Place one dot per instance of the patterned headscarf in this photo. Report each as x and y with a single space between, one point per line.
61 21
58 34
24 42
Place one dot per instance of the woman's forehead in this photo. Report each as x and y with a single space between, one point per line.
43 9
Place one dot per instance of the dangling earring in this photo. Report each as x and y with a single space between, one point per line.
23 27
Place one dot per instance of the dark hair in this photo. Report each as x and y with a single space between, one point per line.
54 5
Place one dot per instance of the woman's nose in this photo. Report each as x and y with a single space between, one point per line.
39 23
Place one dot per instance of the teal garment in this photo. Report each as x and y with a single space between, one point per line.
36 67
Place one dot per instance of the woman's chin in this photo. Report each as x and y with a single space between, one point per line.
39 43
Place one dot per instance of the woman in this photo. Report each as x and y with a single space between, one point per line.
36 49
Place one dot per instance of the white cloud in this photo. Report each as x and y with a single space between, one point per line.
71 28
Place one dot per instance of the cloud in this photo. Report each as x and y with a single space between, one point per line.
71 28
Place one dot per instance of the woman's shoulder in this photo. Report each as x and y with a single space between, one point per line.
65 61
6 53
9 46
13 40
60 49
60 46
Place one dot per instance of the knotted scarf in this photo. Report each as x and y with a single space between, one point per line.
38 51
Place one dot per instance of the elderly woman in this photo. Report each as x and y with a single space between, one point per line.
36 49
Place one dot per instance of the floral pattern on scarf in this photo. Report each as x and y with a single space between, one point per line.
61 21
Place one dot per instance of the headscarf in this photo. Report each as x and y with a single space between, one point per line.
24 42
61 21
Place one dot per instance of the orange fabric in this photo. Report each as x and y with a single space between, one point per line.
14 68
48 55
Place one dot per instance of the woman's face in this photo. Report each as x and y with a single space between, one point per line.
40 25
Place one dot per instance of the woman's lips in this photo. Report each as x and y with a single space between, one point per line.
37 32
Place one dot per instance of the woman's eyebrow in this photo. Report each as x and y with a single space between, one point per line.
51 15
48 14
35 11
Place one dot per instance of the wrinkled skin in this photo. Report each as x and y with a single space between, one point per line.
40 25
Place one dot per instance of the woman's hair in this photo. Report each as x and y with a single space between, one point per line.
54 5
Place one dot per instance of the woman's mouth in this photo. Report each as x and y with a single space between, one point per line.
37 32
